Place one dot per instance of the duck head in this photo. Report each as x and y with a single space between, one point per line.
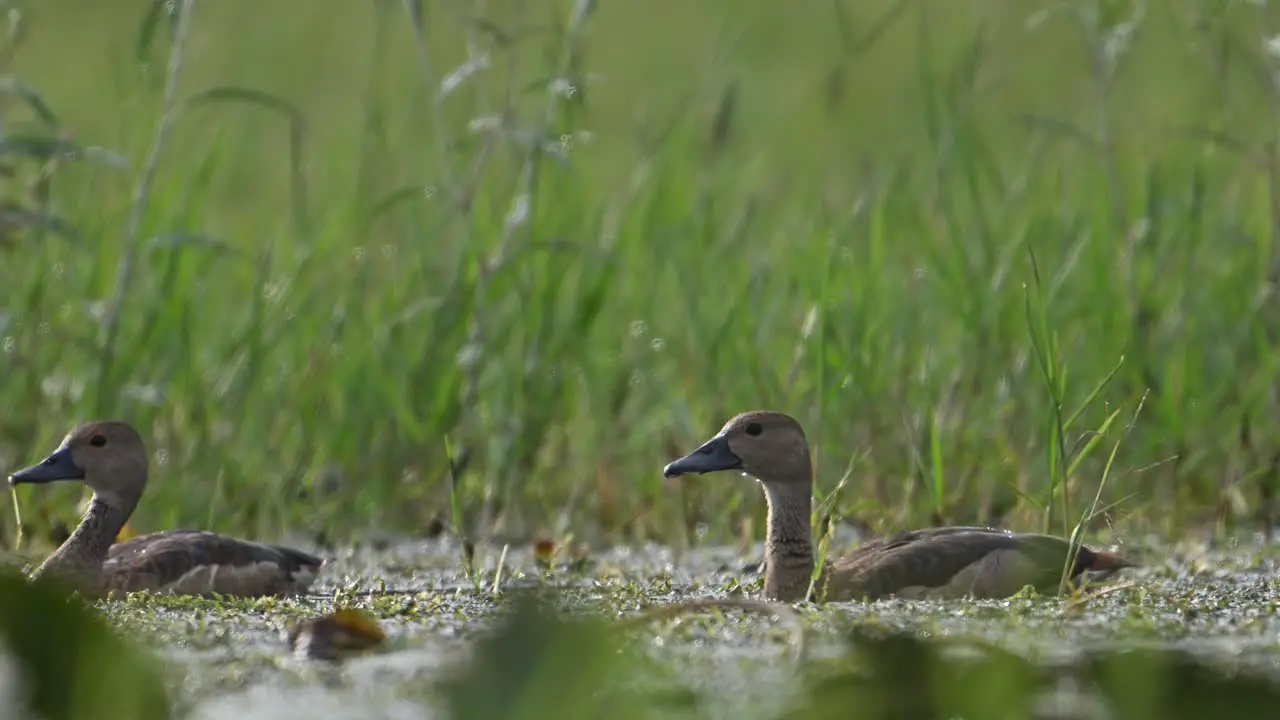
769 446
108 457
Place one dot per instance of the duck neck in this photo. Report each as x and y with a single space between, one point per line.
788 549
79 560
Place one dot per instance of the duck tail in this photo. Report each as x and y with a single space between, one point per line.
299 558
1103 560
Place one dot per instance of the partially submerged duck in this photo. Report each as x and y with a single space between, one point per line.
110 458
340 634
945 562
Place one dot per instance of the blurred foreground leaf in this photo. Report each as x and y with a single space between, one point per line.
1151 683
539 663
895 674
73 666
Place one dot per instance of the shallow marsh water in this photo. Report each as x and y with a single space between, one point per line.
1219 602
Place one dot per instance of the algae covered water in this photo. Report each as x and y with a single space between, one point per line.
1206 605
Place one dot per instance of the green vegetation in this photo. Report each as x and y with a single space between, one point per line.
376 267
567 241
71 663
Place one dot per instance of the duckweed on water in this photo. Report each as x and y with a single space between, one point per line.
542 647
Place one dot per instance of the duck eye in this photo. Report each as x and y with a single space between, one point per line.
98 441
754 429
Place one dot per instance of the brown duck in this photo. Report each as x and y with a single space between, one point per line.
110 458
945 562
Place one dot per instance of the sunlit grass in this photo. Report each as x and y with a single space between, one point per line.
570 238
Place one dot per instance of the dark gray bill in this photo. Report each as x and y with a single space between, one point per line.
712 456
58 466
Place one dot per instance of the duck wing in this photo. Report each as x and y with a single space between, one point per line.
872 551
943 562
195 562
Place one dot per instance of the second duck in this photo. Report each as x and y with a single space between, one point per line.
946 562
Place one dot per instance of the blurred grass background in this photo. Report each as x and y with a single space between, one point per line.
563 247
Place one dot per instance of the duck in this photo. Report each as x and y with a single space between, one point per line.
931 563
59 533
336 636
110 458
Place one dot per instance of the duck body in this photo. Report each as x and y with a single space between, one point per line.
109 457
196 562
946 562
953 562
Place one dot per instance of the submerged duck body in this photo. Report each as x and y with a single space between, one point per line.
945 562
110 458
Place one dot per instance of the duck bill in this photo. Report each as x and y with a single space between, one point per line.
56 467
712 456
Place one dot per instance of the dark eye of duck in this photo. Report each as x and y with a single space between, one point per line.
754 429
98 441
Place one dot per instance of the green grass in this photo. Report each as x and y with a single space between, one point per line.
628 224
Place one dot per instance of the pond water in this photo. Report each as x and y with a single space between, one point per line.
1219 602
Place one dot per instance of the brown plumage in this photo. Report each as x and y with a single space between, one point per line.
339 634
110 458
932 563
